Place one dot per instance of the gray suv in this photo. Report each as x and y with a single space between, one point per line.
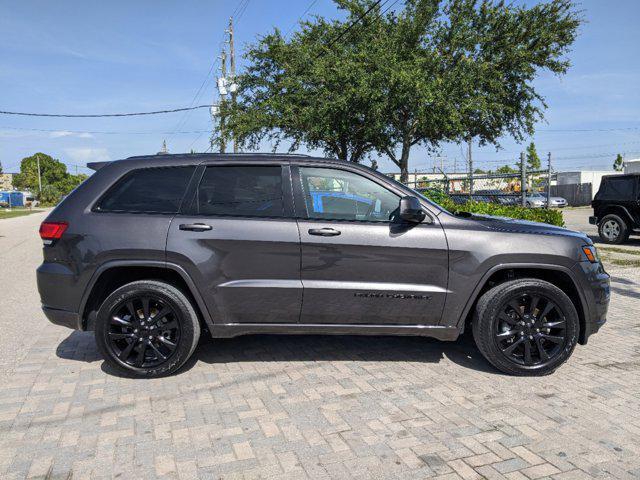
150 251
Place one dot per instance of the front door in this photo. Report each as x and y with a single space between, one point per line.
360 265
239 241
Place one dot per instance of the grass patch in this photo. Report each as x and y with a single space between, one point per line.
17 212
621 262
619 250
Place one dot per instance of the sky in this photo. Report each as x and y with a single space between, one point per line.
79 57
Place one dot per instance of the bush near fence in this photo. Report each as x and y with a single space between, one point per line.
544 215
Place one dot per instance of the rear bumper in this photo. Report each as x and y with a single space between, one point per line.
63 318
58 294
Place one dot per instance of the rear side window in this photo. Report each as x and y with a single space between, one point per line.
148 190
254 191
618 189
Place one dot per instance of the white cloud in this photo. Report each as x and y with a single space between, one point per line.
66 133
88 154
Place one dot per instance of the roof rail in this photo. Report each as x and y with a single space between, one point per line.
243 154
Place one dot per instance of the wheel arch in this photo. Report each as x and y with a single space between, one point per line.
115 274
557 275
618 210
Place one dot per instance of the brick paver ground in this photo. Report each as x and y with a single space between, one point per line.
323 407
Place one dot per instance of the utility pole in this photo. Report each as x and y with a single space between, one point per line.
39 176
523 179
223 93
470 161
232 64
548 179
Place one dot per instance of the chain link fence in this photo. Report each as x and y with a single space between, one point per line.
502 188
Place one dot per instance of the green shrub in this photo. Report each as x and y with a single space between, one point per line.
544 215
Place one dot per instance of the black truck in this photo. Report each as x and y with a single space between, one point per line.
616 208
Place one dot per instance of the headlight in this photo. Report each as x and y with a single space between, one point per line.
591 253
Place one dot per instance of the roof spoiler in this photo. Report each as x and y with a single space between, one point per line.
95 166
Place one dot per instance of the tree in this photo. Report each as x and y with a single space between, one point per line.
437 71
311 90
0 168
618 164
505 169
55 179
533 160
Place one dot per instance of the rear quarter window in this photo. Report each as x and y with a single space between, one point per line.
148 190
621 188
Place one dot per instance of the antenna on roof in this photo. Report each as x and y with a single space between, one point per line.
164 150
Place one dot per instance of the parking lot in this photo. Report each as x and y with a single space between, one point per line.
310 406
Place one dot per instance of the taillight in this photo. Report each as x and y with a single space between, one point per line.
50 231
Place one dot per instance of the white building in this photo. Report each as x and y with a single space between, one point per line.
632 166
594 177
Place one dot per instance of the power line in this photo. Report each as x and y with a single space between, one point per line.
102 115
346 30
237 13
102 132
588 130
304 14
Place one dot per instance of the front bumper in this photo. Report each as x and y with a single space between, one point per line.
597 293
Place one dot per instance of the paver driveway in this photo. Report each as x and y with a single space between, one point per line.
317 407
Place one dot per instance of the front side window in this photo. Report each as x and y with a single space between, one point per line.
148 190
254 191
332 194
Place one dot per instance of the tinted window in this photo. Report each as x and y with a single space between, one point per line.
618 188
148 190
241 191
340 195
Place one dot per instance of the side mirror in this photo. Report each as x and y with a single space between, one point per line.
411 210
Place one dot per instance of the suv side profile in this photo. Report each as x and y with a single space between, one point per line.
616 208
151 251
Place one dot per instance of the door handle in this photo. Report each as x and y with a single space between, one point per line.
324 232
195 227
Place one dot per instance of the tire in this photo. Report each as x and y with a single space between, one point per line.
613 230
148 316
495 321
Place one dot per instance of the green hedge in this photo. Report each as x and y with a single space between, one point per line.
544 215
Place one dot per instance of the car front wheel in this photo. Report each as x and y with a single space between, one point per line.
147 328
526 327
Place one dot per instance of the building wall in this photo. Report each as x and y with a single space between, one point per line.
594 177
632 166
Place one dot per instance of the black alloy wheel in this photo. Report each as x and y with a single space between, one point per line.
147 328
531 330
526 326
143 331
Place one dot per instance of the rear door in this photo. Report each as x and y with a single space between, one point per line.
238 240
359 264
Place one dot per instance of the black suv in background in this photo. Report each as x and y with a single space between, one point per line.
616 208
150 251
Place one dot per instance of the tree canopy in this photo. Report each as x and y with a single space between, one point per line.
437 70
55 179
618 163
533 160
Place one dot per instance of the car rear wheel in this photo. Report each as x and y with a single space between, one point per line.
526 327
147 328
613 229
